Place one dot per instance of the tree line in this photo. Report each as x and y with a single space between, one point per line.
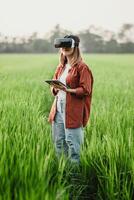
93 40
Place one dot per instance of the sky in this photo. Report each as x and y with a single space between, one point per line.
23 17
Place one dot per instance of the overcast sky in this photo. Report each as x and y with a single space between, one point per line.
23 17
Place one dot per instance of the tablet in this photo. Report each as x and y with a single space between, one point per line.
56 82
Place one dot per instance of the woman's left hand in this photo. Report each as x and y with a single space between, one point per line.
70 90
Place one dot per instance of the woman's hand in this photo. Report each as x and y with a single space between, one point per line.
64 89
70 90
57 88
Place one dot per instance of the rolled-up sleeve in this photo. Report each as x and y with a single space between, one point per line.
85 82
53 91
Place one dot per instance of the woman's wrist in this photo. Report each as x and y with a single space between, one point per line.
71 90
74 91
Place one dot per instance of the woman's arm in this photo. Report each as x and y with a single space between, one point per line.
54 90
85 83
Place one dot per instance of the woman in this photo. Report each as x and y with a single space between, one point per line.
71 108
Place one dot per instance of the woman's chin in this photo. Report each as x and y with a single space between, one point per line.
66 53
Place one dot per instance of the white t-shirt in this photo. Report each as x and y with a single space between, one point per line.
61 94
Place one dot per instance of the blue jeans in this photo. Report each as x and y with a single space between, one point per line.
66 140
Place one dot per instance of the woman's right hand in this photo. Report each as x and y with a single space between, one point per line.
58 88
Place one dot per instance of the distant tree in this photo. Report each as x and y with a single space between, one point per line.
41 46
93 40
90 42
126 47
126 38
126 33
34 36
111 46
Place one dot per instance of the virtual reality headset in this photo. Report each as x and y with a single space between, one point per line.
65 43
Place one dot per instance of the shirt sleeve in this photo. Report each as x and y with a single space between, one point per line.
85 82
55 76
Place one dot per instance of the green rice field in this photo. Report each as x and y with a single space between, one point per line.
29 169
